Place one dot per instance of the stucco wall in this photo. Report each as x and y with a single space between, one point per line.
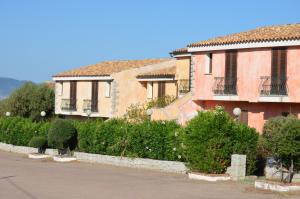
251 65
183 67
125 91
131 91
83 93
258 113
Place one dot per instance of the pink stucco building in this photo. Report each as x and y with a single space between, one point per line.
257 71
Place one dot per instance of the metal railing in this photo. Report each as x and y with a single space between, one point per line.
88 105
273 86
223 86
68 105
183 85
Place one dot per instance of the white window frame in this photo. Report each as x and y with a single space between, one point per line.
149 90
208 61
59 88
107 89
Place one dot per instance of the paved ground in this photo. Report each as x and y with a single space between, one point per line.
23 178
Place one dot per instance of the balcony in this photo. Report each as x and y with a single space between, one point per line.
224 87
183 86
68 105
88 105
273 86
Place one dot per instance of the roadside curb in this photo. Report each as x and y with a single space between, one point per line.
143 163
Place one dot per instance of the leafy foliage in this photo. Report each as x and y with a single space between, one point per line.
136 113
39 142
282 139
161 102
212 137
19 131
29 100
62 135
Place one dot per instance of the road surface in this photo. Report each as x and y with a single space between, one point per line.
23 178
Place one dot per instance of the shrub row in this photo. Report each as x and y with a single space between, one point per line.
19 130
206 143
149 139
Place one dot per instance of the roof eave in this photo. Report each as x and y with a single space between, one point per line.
244 45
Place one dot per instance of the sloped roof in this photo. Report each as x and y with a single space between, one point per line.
179 51
107 68
165 72
262 34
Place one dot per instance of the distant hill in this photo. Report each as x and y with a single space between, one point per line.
8 85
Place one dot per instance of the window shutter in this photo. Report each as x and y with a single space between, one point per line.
94 103
274 62
230 72
161 89
73 93
278 71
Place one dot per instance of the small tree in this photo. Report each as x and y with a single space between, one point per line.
62 135
29 100
283 142
40 143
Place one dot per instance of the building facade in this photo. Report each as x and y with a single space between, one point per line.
107 89
256 71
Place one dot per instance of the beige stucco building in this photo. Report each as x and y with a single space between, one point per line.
108 88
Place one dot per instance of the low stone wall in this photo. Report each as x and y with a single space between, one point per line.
166 166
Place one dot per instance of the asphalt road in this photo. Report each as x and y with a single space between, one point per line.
23 178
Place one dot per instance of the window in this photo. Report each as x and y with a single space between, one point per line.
94 101
285 114
208 63
278 71
161 89
107 89
230 72
149 90
244 117
73 95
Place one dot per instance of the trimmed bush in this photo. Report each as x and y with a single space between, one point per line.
62 136
212 137
39 142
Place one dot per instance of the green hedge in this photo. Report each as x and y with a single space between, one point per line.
206 143
150 139
212 137
19 130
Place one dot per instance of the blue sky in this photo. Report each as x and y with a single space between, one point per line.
40 38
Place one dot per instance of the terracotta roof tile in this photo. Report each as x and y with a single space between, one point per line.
267 33
179 51
165 72
106 68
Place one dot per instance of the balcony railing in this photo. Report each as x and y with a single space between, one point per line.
88 105
68 105
223 86
273 86
183 85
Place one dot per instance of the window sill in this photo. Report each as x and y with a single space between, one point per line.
274 98
226 97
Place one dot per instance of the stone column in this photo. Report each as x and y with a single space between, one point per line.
238 167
